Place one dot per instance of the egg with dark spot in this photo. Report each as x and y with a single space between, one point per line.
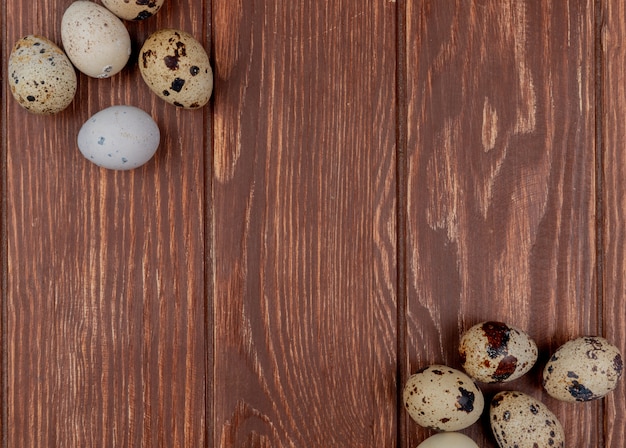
583 369
495 352
442 398
519 420
41 77
133 9
176 67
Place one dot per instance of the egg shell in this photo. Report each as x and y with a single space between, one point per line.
442 398
520 421
95 40
583 369
41 77
176 67
119 138
448 440
495 352
133 9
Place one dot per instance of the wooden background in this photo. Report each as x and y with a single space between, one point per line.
370 178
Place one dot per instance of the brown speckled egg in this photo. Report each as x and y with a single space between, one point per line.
41 77
133 9
494 352
95 40
442 398
176 67
583 369
521 421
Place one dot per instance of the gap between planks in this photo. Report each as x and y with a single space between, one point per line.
401 217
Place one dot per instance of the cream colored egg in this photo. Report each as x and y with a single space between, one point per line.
133 9
521 421
442 398
41 77
495 352
448 440
95 40
583 369
176 67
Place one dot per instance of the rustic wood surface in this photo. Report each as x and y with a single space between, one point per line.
369 179
612 135
304 224
501 181
105 299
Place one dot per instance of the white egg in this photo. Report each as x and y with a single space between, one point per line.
95 40
119 138
448 440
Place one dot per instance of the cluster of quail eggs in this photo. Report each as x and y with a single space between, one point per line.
447 400
96 42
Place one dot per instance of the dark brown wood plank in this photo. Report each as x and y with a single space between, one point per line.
613 33
105 298
304 231
501 166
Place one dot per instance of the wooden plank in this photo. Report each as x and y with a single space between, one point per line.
105 298
3 241
613 33
501 169
304 224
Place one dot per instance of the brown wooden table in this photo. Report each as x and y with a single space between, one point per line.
370 178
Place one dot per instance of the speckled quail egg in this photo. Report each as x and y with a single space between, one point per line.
133 9
119 138
95 40
448 440
583 369
176 67
521 421
41 77
494 352
442 398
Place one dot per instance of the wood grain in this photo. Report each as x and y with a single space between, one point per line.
370 178
613 33
105 299
3 233
304 221
501 182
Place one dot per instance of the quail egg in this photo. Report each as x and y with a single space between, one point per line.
448 440
583 369
176 67
442 398
133 9
119 138
494 352
41 77
520 421
95 40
